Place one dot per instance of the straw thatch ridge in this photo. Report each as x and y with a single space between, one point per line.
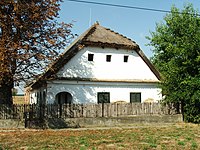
104 37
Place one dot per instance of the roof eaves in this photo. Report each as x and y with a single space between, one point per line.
149 64
110 45
76 43
54 68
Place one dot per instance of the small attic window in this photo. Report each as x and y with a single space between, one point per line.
90 57
108 58
125 58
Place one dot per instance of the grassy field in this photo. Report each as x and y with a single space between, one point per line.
166 137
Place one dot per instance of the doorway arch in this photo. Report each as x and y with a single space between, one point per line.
63 98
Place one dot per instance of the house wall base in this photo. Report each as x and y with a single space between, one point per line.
113 121
58 123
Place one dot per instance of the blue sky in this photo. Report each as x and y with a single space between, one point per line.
133 23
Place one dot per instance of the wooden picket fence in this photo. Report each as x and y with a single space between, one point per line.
85 110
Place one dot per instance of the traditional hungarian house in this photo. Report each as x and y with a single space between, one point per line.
99 66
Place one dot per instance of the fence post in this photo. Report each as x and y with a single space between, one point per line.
60 110
103 109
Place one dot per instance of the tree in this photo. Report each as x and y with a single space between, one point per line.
176 50
30 37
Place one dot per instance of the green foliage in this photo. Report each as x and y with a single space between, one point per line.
194 145
176 50
152 142
181 143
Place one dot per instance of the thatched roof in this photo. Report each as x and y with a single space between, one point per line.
97 36
104 37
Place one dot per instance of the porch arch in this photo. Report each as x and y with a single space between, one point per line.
63 98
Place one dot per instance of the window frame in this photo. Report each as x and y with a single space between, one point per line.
136 98
99 95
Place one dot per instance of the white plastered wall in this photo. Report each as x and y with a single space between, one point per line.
117 69
86 92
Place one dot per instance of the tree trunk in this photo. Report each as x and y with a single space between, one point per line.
6 86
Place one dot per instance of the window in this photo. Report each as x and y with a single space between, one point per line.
135 97
103 97
125 58
90 57
108 58
64 98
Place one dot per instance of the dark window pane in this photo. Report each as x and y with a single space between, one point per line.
135 97
90 57
125 58
108 58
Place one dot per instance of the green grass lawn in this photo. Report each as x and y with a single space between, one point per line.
176 136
